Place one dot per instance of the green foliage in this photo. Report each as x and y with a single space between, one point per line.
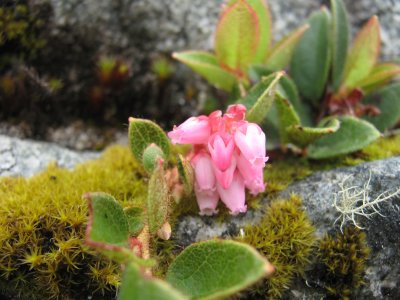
135 217
216 269
151 155
311 59
387 100
207 66
158 201
143 133
42 228
353 135
340 40
136 286
285 236
342 258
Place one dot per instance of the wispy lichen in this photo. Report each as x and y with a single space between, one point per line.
355 201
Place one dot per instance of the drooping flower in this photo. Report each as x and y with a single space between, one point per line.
228 156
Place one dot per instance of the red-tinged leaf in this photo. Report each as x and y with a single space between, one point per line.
379 76
281 53
265 29
207 66
363 54
237 37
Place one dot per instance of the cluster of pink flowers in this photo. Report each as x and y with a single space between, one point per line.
228 155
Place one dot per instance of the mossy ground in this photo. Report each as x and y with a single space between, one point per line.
43 221
43 218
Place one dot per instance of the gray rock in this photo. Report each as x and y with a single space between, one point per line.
318 193
25 157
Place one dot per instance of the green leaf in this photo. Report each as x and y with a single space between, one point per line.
207 66
340 40
353 134
311 59
237 37
143 133
282 52
150 157
363 54
265 29
136 219
186 173
304 136
157 199
287 88
380 75
141 287
260 98
387 100
287 116
216 269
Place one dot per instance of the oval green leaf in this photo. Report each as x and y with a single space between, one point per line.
237 37
139 287
281 54
311 59
217 269
380 75
387 100
143 133
287 116
136 219
340 40
207 66
363 54
353 134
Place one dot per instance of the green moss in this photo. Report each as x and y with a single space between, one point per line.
286 237
342 259
42 224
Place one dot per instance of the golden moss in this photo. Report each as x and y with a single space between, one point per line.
286 237
343 258
42 223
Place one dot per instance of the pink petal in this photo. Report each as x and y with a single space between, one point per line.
250 140
253 175
234 197
221 146
207 201
195 130
224 178
204 172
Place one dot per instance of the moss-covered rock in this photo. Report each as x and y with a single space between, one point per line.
42 225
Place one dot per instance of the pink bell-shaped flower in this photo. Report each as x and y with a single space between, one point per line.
250 139
205 184
234 196
253 175
221 146
195 130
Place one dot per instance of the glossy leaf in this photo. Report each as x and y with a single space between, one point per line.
353 134
186 173
143 133
260 98
379 76
140 287
311 58
340 40
216 269
363 54
207 66
281 54
237 37
157 199
136 220
387 100
304 136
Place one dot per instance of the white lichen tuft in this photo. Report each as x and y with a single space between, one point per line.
355 201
